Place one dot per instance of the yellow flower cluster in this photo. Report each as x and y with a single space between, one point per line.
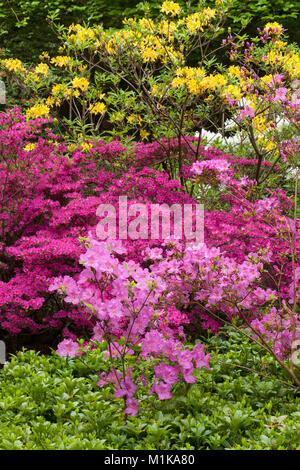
62 61
291 64
98 108
289 61
13 65
190 77
44 56
232 92
167 28
86 146
60 92
29 147
72 147
152 49
80 82
212 82
149 53
31 77
37 111
267 80
170 8
280 44
273 57
146 24
80 35
42 69
155 41
144 134
135 119
124 35
196 81
260 125
273 28
196 21
234 71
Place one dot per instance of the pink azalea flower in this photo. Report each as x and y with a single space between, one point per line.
67 347
131 406
162 390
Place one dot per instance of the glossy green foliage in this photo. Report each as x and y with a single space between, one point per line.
49 402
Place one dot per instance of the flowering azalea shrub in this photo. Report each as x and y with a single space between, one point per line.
125 299
143 296
49 203
208 284
37 180
140 83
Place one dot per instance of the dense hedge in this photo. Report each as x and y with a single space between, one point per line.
55 403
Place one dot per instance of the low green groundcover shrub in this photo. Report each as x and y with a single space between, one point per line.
52 402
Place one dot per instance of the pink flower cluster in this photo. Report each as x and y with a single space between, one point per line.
136 289
127 302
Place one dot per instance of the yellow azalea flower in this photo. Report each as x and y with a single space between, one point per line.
169 54
72 147
80 82
144 134
56 89
273 28
178 82
213 81
273 57
259 124
37 111
167 28
98 108
232 92
29 147
266 143
13 65
81 34
50 101
193 86
190 76
44 56
280 44
234 71
110 46
291 64
61 61
267 79
135 119
147 24
42 69
196 21
149 54
130 22
61 90
86 146
170 8
123 35
32 76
